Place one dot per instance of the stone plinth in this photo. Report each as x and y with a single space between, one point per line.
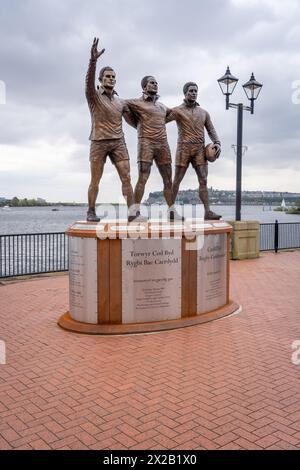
147 277
245 239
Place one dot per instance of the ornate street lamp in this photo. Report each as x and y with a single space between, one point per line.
252 89
227 84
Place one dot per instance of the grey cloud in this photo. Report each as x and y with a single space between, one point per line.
50 41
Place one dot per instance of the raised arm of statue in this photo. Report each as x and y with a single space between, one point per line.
95 54
90 91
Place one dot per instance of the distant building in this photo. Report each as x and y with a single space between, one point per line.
222 196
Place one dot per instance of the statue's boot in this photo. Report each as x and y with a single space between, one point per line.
91 216
134 214
210 215
137 217
173 215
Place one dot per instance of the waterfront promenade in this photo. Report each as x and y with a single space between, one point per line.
228 384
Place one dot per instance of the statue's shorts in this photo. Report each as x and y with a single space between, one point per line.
187 153
149 150
115 149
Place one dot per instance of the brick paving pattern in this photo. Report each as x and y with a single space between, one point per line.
227 384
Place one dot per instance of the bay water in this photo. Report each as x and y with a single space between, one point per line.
22 220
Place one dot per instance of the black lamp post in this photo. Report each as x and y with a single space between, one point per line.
252 89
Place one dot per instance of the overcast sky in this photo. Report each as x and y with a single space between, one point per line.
45 122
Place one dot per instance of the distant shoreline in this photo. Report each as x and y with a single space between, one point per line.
61 204
84 204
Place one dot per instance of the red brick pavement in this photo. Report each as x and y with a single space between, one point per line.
228 384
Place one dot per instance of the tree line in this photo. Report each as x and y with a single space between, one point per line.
16 202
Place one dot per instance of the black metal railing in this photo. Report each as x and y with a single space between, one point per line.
267 232
33 253
279 236
37 253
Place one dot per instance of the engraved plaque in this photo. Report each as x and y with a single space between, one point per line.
128 228
166 228
151 280
83 279
212 273
79 226
222 225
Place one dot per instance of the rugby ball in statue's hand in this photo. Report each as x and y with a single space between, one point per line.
210 153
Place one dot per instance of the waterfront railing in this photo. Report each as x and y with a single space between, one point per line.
33 253
37 253
279 236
